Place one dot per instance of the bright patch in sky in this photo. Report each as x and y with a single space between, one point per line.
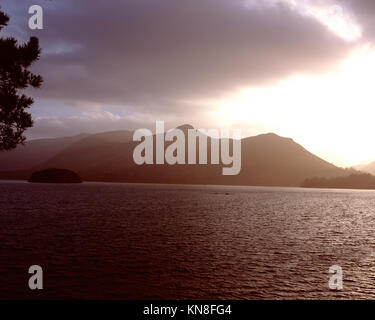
332 115
327 12
338 22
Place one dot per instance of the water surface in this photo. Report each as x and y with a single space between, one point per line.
134 241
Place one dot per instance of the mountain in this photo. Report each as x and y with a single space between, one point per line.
267 159
369 168
89 151
34 152
272 160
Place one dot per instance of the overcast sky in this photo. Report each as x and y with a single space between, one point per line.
302 69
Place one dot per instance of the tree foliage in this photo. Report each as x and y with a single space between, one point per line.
15 61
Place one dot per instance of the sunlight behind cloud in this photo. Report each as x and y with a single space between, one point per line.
331 114
336 20
329 13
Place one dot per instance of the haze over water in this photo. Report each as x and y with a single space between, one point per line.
134 241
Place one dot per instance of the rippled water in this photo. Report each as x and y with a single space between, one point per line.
132 241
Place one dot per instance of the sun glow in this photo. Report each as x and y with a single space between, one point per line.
331 115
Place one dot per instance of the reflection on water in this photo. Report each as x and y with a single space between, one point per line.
134 241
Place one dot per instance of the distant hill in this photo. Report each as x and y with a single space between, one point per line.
369 168
35 152
272 160
267 159
89 151
355 181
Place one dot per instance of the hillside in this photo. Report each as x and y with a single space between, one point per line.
89 151
35 152
369 168
267 159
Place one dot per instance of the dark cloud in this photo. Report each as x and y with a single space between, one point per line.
111 65
153 54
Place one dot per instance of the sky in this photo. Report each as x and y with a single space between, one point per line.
302 69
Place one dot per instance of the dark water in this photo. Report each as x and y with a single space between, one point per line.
185 242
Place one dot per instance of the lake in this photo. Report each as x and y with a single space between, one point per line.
137 241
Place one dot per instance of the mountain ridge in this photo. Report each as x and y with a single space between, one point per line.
267 159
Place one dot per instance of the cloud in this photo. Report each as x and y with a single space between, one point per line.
102 121
111 65
364 11
152 54
86 122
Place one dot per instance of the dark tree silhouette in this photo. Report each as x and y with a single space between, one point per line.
14 76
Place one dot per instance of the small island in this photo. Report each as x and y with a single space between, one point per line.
54 175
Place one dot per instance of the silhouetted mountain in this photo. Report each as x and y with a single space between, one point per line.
35 152
355 181
89 151
185 127
267 159
369 168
